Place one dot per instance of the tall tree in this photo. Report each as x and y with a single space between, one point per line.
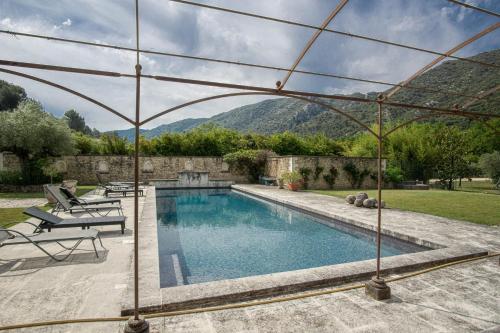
453 152
75 121
10 96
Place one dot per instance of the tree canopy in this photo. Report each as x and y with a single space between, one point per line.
30 132
77 123
10 96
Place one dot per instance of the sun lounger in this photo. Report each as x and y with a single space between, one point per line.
122 188
63 204
121 184
122 191
50 221
77 200
14 237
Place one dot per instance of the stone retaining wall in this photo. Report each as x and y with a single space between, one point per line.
276 166
115 168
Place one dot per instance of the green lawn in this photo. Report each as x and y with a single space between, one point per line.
469 206
12 216
81 190
477 186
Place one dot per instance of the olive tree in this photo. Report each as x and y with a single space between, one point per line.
33 134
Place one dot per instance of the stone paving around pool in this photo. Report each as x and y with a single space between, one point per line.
34 288
461 298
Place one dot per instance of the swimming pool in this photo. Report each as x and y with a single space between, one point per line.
215 234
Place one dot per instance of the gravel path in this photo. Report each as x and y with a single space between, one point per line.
19 203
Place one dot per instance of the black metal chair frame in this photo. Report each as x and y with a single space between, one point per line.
38 231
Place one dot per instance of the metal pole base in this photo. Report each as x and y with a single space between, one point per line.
137 325
378 289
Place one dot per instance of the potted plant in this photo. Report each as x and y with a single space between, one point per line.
293 179
281 183
70 184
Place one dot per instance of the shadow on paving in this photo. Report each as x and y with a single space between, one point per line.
45 262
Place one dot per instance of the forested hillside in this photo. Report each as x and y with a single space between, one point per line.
285 114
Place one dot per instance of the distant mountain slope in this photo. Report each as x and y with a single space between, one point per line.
178 126
282 114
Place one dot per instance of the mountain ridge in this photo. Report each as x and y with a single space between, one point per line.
305 117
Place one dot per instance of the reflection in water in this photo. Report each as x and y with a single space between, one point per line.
213 234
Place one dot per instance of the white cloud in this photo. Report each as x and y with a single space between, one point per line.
180 28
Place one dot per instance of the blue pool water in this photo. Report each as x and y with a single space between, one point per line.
207 235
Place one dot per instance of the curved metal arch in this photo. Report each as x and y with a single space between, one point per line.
71 91
331 108
311 41
437 60
479 9
426 116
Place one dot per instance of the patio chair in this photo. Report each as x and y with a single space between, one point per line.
122 191
14 237
63 204
121 187
77 200
120 184
50 221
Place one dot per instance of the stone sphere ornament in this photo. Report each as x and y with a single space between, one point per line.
361 196
350 199
358 203
369 203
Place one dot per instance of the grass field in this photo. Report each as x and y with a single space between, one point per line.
475 207
81 190
12 216
484 186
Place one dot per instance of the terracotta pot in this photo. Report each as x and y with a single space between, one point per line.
293 186
70 185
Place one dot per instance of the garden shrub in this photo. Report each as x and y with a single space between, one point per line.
490 165
393 175
249 162
11 178
112 144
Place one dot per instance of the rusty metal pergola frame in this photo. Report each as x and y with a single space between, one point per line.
311 97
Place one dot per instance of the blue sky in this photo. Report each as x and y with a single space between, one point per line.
181 28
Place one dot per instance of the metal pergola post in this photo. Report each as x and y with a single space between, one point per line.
137 323
376 287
